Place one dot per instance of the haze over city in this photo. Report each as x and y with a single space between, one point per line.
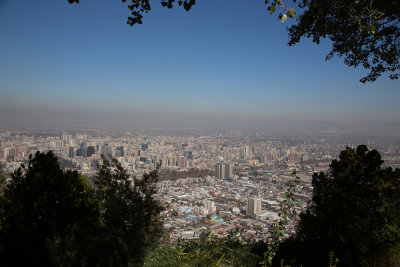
224 64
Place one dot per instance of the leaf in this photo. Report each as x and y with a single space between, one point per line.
291 13
186 6
283 18
271 9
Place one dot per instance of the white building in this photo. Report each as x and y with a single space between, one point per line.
210 206
253 207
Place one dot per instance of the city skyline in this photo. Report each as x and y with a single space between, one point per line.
218 66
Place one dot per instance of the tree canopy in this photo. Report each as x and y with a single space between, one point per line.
45 215
355 214
2 179
51 217
364 32
129 211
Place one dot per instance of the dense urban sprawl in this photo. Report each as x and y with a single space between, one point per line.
230 183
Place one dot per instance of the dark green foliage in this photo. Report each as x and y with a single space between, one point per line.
288 12
355 214
139 7
2 179
50 217
129 212
364 32
166 255
45 216
207 251
2 173
279 226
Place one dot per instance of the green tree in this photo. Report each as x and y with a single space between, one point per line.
364 32
130 214
207 251
2 179
174 213
46 215
355 214
226 218
279 225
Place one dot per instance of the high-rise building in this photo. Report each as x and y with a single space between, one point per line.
84 150
220 170
71 152
227 155
119 152
78 152
90 151
145 146
187 153
228 170
209 206
224 170
136 153
182 162
244 152
106 151
253 207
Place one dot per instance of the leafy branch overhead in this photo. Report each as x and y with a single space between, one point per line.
139 7
364 32
288 13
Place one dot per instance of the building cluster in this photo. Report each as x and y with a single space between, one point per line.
245 207
243 195
224 170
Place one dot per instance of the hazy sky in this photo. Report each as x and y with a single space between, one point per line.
223 64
